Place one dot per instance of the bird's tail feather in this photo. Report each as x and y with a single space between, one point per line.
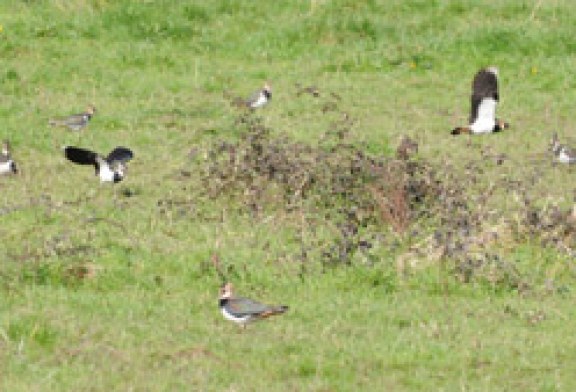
274 311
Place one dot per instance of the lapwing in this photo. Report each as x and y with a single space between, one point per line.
110 169
7 164
484 100
260 97
244 310
75 122
562 153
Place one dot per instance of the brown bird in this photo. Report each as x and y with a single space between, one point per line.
74 122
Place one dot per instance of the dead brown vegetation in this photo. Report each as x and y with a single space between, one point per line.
442 211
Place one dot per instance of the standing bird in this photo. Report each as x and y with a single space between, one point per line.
7 164
244 310
260 98
75 122
109 169
562 153
484 99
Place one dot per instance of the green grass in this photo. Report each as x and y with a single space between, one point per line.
157 71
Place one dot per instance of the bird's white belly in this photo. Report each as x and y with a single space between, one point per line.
6 167
231 317
106 175
484 126
564 157
261 101
486 119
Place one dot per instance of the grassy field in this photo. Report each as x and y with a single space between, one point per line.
114 287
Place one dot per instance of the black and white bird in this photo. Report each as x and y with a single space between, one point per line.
260 97
484 100
75 122
244 310
109 169
562 153
7 164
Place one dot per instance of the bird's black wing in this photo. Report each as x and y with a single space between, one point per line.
120 154
484 85
241 307
80 155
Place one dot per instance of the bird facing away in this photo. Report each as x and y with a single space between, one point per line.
244 310
75 122
562 153
484 100
109 169
7 164
260 98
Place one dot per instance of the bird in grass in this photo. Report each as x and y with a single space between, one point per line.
562 153
110 169
7 164
75 122
484 100
244 310
260 97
